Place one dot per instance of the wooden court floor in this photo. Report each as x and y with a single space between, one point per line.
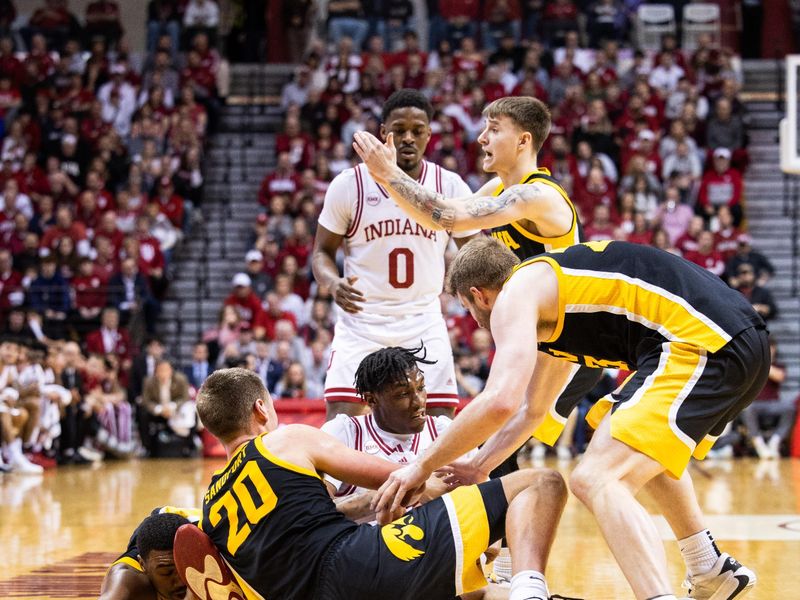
59 531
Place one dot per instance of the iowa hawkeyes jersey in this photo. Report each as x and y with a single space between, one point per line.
525 244
272 522
620 300
131 555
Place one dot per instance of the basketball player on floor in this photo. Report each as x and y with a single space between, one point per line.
271 518
393 267
146 570
397 429
675 498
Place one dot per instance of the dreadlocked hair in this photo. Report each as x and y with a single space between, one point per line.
388 366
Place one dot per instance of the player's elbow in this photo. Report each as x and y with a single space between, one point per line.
503 407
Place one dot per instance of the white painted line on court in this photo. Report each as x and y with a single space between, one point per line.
766 528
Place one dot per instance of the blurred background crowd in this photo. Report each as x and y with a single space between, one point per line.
102 178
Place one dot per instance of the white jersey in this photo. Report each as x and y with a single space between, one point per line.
363 434
399 263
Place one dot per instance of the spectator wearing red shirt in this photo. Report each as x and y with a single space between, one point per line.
597 190
110 338
9 64
706 255
726 237
283 180
298 144
38 65
11 291
558 18
721 185
202 80
87 212
150 260
14 239
641 234
107 228
31 178
243 298
170 204
88 297
461 18
271 314
106 259
64 226
601 227
688 242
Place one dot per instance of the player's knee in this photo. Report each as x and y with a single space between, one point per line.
585 481
546 482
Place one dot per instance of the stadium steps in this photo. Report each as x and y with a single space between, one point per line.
238 155
770 224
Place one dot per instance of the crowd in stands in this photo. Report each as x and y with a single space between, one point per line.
650 145
101 172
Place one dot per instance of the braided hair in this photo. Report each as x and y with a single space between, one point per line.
388 366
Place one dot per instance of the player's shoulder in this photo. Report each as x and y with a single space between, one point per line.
440 422
339 423
447 175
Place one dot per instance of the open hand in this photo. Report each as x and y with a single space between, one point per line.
461 472
380 159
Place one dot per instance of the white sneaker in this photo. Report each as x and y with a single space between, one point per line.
90 454
761 448
726 580
774 446
20 464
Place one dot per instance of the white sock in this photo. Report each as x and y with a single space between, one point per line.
699 552
667 597
502 564
528 585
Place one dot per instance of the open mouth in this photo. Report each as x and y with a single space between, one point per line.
409 152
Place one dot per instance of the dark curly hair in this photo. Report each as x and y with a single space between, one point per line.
388 366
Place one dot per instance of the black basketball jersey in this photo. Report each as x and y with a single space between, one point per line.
525 244
620 300
272 522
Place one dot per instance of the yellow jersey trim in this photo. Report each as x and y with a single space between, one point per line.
130 562
474 525
561 304
230 460
567 239
282 463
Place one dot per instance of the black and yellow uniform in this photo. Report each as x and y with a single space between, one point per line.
525 245
131 556
278 529
699 349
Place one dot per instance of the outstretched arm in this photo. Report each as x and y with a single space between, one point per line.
452 214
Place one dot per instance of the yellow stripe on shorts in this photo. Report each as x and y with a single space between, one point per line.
648 420
470 526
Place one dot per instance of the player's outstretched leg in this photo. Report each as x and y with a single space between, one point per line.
536 499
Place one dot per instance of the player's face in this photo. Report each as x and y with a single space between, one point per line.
412 132
160 570
481 314
400 408
499 141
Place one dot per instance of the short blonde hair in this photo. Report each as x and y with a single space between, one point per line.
483 262
528 113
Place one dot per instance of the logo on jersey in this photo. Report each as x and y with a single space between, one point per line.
390 227
371 448
397 532
506 238
373 199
